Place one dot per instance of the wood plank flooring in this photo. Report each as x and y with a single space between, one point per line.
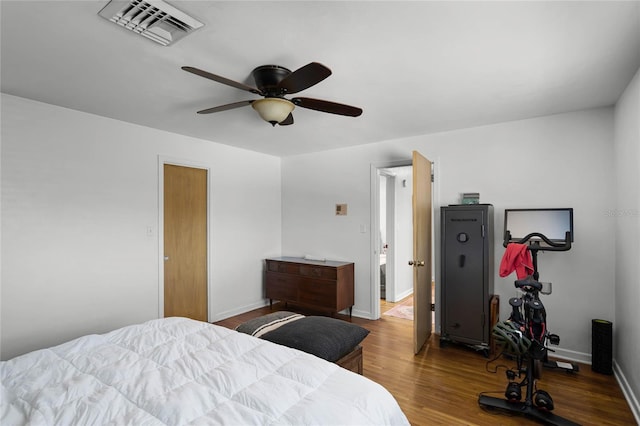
440 386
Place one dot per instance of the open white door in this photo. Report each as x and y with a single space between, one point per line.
421 262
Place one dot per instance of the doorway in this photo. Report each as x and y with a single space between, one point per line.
395 229
184 242
388 182
384 216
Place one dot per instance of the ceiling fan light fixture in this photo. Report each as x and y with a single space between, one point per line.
272 83
273 110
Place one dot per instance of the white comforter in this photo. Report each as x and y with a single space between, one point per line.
177 371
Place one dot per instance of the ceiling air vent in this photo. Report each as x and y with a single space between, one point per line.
154 19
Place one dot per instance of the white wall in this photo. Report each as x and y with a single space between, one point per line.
556 161
78 194
384 238
626 214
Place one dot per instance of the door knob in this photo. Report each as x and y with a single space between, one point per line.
416 263
166 258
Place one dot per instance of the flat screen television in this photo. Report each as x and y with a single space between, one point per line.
552 223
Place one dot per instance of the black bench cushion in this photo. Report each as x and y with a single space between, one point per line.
324 337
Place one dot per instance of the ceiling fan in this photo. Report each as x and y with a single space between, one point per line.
273 82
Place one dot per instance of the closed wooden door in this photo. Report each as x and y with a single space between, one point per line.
422 236
185 242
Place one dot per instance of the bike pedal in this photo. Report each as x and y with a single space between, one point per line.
513 392
543 401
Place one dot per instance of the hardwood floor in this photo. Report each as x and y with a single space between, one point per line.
440 386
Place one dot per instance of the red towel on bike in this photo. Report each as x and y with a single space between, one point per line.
516 258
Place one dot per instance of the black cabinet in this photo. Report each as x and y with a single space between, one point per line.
467 274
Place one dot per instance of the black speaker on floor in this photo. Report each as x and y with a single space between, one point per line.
602 346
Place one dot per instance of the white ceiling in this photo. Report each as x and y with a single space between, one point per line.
415 67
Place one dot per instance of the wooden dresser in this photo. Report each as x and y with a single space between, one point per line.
325 285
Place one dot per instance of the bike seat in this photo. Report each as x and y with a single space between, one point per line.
528 284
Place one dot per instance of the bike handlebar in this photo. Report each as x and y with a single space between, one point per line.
535 244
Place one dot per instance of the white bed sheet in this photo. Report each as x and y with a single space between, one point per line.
177 371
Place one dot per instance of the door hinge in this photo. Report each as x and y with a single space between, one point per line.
431 176
433 307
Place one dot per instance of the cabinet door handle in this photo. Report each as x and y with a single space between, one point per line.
462 259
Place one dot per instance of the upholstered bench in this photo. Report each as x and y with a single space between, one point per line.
328 338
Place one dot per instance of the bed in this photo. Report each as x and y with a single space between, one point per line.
177 371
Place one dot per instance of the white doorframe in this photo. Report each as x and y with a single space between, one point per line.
162 160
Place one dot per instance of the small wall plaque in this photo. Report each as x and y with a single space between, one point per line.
341 209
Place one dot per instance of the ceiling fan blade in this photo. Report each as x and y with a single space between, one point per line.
326 106
222 80
305 77
287 121
225 107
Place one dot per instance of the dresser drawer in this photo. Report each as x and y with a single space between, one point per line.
318 292
313 271
283 267
318 272
281 286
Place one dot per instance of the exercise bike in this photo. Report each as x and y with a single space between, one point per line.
524 337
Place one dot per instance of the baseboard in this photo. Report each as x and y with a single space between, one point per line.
568 355
237 311
403 295
362 314
631 398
